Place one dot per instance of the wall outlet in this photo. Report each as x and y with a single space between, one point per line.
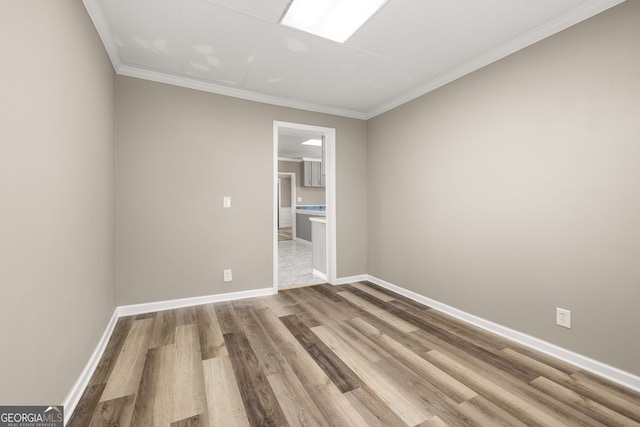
227 276
226 202
299 199
563 317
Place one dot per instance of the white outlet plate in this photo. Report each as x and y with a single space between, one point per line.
226 202
227 276
563 317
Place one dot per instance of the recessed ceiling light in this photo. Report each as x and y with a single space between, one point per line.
332 19
314 142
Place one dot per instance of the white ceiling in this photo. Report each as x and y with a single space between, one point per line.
237 47
290 145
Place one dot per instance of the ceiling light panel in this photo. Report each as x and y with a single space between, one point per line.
332 19
314 142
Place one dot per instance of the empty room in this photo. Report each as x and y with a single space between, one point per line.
331 213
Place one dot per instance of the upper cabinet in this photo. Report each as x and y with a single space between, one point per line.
313 173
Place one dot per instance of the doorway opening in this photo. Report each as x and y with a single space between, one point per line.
315 175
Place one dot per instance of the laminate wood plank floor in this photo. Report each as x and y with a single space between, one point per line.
352 355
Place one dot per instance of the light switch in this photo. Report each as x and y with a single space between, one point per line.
226 202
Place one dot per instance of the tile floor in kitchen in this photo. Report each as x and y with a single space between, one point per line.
294 265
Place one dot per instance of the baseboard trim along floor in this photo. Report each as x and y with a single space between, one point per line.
73 397
611 373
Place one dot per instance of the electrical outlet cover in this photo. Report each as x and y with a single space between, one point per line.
563 317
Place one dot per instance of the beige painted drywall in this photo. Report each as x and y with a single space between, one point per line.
285 191
179 152
310 195
56 198
517 189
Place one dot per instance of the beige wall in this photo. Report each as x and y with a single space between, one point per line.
310 195
285 192
179 152
516 190
56 198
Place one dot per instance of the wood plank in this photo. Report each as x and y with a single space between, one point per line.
485 413
332 366
117 412
395 296
469 333
451 339
125 377
356 355
259 400
186 316
621 400
426 370
112 351
433 422
323 307
333 405
398 323
224 402
188 382
87 406
298 407
144 410
145 315
226 318
595 410
515 387
527 411
211 339
164 329
409 408
194 421
367 296
373 292
373 409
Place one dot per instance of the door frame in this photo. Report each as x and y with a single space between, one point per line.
329 135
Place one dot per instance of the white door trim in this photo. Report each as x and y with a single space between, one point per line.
330 195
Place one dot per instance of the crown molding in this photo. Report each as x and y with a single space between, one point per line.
555 26
561 23
97 17
192 83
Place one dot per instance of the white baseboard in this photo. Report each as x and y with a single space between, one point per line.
606 371
73 397
601 369
319 274
150 307
352 279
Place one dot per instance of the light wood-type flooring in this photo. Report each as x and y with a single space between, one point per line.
352 355
285 233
